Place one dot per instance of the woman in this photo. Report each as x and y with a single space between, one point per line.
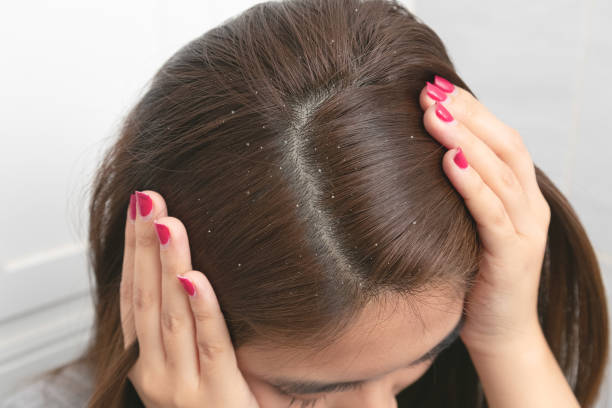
349 225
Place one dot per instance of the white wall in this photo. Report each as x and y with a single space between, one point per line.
543 67
69 71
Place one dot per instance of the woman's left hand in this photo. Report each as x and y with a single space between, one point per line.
499 188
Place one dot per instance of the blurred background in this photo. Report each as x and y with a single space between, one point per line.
71 69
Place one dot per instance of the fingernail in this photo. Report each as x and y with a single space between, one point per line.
132 206
145 204
189 288
444 84
442 113
460 159
435 93
163 233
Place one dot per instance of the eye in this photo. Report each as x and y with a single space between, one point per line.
310 402
304 403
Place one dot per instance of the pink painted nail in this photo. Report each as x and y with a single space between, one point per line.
132 206
145 204
163 233
460 159
435 93
442 113
444 84
189 288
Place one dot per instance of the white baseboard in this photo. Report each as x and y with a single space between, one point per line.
43 340
46 313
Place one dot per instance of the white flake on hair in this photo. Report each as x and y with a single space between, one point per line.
309 189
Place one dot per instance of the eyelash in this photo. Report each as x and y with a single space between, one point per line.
307 402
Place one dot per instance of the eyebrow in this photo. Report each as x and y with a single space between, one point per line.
293 386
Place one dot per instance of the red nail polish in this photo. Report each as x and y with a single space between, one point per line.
189 288
435 93
132 206
442 113
460 159
444 84
145 204
163 233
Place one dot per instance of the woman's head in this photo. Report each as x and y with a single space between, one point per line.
387 348
290 143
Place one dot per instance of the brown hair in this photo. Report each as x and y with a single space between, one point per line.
289 141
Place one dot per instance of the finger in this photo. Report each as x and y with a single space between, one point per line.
147 275
178 327
494 172
127 277
503 140
216 355
494 224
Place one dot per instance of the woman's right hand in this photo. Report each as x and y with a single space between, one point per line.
186 357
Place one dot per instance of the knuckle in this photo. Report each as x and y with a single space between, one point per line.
470 109
479 190
528 163
172 322
516 141
178 399
498 216
202 316
125 292
130 241
209 351
508 178
148 385
146 240
182 395
143 299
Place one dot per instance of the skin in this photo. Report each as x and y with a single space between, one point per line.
187 360
378 348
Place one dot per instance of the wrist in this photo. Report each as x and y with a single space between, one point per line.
522 371
523 340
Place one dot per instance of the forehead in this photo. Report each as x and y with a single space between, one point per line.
388 335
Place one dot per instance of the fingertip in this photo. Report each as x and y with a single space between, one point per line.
424 99
151 200
455 164
202 289
188 285
459 158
